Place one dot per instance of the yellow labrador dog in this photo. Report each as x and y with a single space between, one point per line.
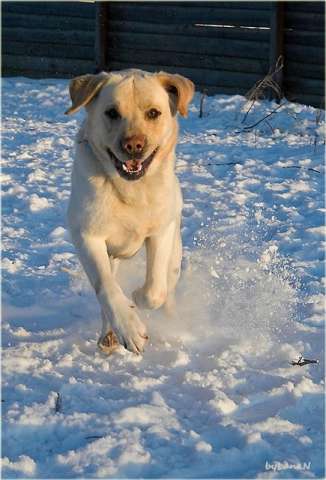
125 192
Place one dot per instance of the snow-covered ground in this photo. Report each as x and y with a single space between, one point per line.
214 395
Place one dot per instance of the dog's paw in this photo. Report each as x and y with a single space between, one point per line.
108 343
129 329
149 299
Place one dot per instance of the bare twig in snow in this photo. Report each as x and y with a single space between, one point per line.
258 91
248 111
270 126
201 108
94 437
303 361
318 119
267 84
58 403
250 127
212 164
207 165
303 168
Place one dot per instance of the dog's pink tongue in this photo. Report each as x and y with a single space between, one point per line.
133 165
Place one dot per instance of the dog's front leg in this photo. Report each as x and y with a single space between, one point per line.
117 310
158 252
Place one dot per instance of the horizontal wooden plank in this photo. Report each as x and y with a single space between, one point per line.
254 5
313 100
306 70
221 90
196 45
52 22
191 60
198 76
169 13
239 33
43 64
305 53
36 49
306 7
310 38
73 9
68 38
24 72
305 21
239 89
305 85
306 99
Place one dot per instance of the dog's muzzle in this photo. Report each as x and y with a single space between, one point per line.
132 169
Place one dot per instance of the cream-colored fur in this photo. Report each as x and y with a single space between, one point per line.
111 217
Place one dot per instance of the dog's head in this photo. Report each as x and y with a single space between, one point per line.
131 116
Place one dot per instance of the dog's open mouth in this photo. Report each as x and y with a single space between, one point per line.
132 169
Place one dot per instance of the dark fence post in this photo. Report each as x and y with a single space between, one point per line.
276 45
101 40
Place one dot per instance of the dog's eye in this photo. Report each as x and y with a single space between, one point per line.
112 113
153 113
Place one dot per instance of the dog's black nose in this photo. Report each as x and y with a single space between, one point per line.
134 145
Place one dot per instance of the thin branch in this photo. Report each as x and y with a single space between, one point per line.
219 164
201 108
303 361
208 165
250 127
94 437
202 165
248 111
318 119
303 168
270 126
257 92
58 403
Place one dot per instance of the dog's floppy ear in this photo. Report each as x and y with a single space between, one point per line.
83 89
180 90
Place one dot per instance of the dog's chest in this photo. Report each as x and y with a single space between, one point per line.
126 227
123 239
126 234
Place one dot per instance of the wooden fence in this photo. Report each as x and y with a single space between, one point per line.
224 47
48 39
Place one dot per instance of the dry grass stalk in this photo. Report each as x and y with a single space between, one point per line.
265 86
58 403
250 127
201 108
318 120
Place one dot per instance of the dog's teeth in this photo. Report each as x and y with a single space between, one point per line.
131 170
